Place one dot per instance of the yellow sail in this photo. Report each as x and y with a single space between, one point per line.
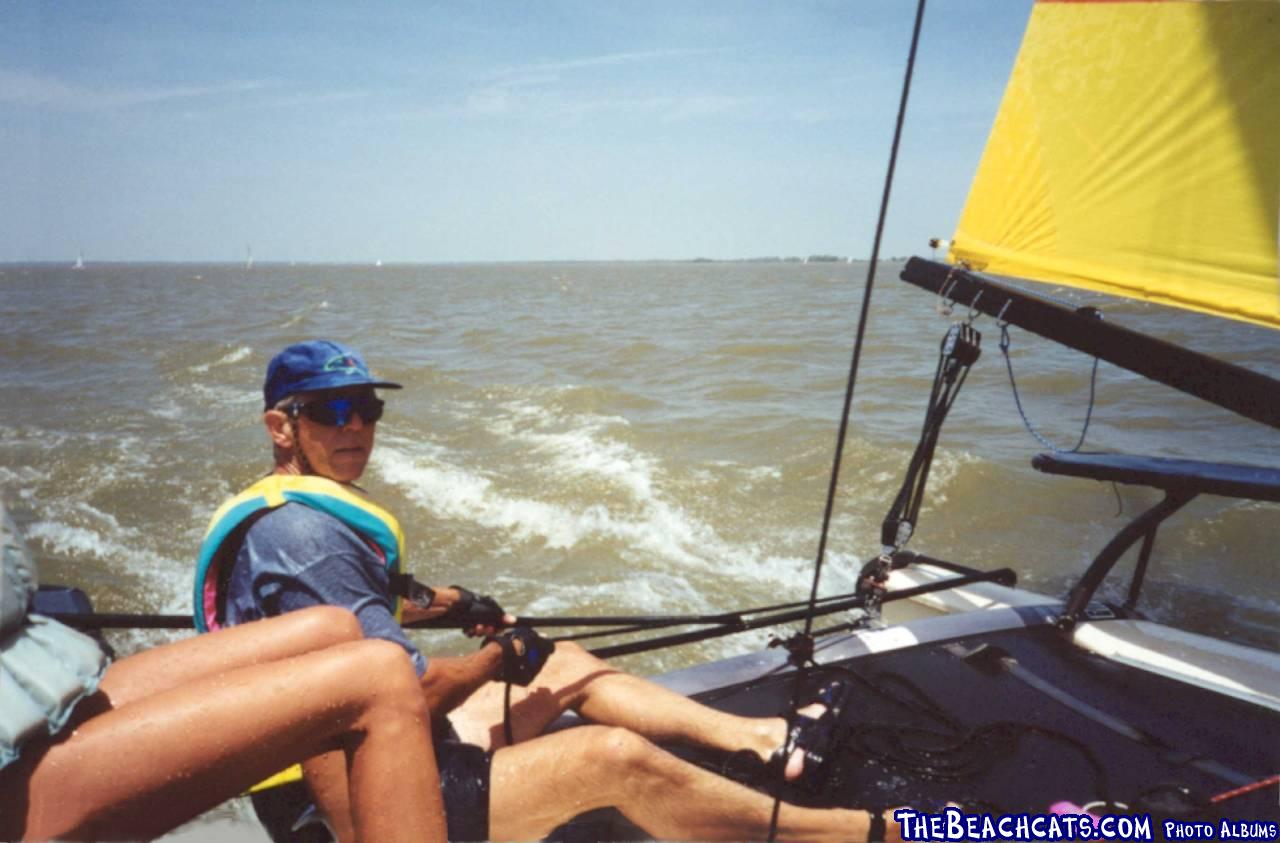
1137 152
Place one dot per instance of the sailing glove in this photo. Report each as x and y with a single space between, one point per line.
524 652
472 610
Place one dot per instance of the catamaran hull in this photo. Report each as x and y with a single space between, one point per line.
981 699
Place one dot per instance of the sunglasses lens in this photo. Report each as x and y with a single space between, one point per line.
332 413
337 412
370 409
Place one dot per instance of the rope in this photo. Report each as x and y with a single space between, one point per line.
853 375
1241 791
506 716
950 751
776 615
1088 416
125 620
960 349
1002 575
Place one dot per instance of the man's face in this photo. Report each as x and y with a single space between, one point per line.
339 452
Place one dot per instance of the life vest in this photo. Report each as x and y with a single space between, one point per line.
375 525
45 667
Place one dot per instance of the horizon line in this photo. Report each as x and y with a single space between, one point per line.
799 259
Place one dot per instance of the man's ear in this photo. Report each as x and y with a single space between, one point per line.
279 428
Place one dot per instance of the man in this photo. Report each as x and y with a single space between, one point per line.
305 536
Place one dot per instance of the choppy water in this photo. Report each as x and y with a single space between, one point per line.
595 438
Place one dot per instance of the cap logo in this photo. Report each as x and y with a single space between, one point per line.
344 363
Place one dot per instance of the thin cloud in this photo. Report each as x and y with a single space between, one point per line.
816 115
36 91
623 58
705 105
497 102
664 108
489 102
517 88
539 73
303 100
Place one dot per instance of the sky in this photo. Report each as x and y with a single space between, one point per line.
487 131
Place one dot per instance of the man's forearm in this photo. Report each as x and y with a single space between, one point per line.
446 599
450 680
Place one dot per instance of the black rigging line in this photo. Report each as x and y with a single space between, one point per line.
802 670
863 316
960 350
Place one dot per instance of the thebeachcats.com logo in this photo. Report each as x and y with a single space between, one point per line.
954 824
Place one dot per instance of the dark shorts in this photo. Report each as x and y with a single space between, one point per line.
464 780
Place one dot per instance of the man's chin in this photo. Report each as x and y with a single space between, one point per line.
347 469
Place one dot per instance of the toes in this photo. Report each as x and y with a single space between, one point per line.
795 765
794 768
813 710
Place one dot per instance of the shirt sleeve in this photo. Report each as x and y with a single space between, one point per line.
296 557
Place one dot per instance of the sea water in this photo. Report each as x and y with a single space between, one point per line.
594 438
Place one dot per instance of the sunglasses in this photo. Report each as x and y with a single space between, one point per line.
337 412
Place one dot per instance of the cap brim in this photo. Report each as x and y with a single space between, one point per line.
324 384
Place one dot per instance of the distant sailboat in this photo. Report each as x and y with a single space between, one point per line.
378 264
248 261
79 264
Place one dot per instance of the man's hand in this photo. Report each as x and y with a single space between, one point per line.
524 652
477 614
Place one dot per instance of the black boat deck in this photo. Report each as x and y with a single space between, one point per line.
1036 758
1011 722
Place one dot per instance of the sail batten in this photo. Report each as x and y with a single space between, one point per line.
1137 152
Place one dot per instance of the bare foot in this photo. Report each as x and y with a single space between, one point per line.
795 761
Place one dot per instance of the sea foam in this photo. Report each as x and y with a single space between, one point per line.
234 356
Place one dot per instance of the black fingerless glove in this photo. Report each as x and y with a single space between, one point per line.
474 610
524 652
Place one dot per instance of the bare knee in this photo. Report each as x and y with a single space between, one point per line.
327 626
572 668
571 652
614 749
387 673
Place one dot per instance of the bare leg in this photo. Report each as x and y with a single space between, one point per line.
161 668
326 776
573 679
154 763
597 767
291 634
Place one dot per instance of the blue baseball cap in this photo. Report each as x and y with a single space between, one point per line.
313 365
